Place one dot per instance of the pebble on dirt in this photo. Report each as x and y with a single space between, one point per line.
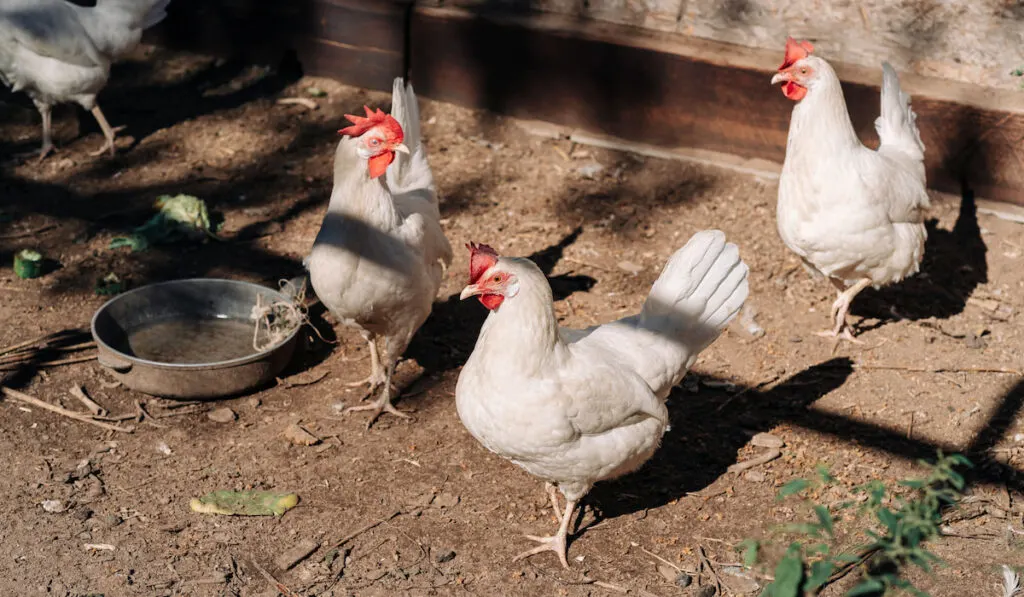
222 415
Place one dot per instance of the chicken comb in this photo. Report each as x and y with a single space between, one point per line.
796 50
392 130
481 258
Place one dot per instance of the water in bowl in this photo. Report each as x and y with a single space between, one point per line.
193 341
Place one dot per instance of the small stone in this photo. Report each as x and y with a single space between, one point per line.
112 520
754 476
254 402
589 170
766 440
446 500
82 513
299 436
53 506
708 591
163 448
668 572
222 415
630 267
683 580
445 556
796 339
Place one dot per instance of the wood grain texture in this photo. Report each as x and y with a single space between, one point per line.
610 80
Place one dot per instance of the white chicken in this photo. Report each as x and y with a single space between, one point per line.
852 214
379 257
56 51
574 407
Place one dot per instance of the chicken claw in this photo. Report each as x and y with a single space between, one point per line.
381 405
557 543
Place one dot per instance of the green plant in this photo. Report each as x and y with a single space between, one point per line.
900 524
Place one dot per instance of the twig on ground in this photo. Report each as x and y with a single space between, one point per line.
586 580
61 411
872 366
143 415
27 233
79 393
281 588
25 344
302 101
706 563
766 457
364 528
661 559
44 364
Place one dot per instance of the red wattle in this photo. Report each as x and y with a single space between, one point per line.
491 301
794 91
380 162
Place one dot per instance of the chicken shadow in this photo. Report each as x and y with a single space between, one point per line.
954 265
707 430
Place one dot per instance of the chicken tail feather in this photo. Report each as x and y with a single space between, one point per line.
897 125
411 171
157 12
703 286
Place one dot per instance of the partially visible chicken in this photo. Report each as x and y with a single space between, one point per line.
852 214
56 51
575 407
379 257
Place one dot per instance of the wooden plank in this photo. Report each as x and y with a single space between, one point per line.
360 42
659 89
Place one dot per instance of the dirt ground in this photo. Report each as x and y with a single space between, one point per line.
601 224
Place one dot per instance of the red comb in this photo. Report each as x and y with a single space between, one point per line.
796 50
481 258
392 130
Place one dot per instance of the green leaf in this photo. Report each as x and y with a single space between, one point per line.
793 487
866 587
817 549
912 483
824 518
789 573
750 548
824 474
886 517
820 571
804 528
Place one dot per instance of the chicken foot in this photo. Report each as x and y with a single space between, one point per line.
108 132
382 404
840 309
557 543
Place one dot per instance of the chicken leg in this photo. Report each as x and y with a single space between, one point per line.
383 401
376 377
108 132
47 146
840 309
556 543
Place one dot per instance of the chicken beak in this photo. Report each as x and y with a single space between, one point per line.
780 78
468 291
402 148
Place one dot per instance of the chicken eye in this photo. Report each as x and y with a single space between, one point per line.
803 71
497 278
375 142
